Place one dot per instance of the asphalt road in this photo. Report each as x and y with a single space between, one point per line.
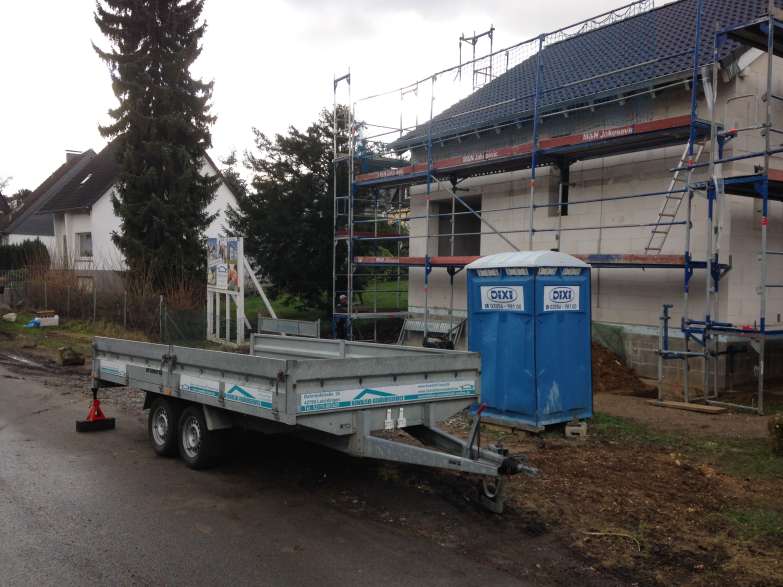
101 508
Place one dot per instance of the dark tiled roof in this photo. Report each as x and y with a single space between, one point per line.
36 224
664 32
87 186
5 209
22 222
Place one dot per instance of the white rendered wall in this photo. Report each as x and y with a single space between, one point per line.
103 222
223 199
47 241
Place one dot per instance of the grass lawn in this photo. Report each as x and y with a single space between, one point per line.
76 334
748 458
386 294
290 307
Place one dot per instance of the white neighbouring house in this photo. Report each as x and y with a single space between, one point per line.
23 222
84 217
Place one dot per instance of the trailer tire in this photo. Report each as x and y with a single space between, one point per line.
162 426
199 447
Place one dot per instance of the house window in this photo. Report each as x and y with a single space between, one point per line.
467 227
85 284
84 244
559 180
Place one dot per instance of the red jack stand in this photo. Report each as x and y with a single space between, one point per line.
95 418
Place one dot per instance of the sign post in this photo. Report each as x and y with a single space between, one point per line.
226 280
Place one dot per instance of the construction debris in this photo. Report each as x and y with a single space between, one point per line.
691 407
68 357
577 430
610 374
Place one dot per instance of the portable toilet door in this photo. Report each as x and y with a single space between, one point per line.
563 354
501 328
529 317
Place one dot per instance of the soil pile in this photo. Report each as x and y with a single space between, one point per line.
611 375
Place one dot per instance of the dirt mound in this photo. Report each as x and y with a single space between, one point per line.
611 375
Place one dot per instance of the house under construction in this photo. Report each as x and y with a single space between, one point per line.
646 141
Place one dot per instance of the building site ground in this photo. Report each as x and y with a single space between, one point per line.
651 496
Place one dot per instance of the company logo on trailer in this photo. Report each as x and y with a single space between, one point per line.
503 295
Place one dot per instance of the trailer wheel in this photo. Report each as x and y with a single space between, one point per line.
199 447
162 426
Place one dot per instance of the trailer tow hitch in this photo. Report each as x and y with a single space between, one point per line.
491 495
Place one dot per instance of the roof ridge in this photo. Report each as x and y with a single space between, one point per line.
668 5
593 68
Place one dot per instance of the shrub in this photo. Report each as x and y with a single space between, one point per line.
23 254
776 433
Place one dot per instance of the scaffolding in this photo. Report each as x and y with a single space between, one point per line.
764 184
390 163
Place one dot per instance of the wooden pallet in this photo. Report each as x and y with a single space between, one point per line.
701 408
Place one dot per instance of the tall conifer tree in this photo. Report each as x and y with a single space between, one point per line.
162 124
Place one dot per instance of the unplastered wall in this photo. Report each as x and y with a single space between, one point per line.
742 105
625 296
742 282
619 295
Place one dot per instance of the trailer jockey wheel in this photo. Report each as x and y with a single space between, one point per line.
491 494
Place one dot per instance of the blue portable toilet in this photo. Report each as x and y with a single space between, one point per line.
529 317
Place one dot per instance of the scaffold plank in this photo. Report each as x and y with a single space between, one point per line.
701 408
596 260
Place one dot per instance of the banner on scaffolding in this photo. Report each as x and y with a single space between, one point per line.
225 288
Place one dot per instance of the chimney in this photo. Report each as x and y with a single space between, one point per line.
71 154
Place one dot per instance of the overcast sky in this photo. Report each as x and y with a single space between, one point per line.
272 61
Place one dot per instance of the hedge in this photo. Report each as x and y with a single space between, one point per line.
17 256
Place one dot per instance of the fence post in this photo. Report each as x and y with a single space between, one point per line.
94 300
68 301
160 317
125 309
46 300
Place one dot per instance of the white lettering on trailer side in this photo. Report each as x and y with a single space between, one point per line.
249 394
371 396
114 368
199 385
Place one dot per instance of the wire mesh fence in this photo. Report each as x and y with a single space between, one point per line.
175 317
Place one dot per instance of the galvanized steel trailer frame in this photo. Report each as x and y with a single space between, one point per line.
332 392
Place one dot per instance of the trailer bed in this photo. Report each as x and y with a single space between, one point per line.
333 392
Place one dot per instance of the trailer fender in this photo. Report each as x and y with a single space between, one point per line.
217 419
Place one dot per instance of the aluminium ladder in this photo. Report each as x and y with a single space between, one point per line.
671 203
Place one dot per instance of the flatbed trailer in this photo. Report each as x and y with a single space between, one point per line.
335 393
